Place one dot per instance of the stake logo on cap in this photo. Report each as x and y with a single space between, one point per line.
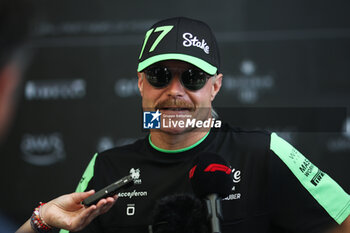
182 39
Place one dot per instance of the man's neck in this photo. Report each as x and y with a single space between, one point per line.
168 141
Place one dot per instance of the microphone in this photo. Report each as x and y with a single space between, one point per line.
112 189
211 179
179 213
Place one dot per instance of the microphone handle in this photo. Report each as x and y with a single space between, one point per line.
108 191
214 210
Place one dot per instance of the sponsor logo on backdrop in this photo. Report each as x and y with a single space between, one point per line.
55 89
346 126
104 27
341 143
42 149
157 120
125 88
248 84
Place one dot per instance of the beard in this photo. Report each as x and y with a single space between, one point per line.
178 104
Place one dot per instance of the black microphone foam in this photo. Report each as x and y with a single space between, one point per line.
179 213
211 174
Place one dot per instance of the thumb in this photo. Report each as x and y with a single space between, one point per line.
79 197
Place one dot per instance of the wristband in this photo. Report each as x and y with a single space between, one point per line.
37 222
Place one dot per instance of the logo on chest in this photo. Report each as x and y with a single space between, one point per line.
135 173
235 195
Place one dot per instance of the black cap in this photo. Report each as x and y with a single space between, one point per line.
182 39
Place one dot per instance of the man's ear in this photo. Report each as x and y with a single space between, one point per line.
217 82
140 82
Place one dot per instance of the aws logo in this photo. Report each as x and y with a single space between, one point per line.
42 149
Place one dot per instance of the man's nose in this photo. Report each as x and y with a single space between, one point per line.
175 87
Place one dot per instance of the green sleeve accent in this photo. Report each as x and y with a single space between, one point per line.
88 174
323 188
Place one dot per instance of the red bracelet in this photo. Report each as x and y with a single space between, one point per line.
38 224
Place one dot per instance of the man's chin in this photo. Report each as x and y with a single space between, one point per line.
177 113
175 130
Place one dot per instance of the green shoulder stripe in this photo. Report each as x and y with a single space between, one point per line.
323 188
88 174
84 181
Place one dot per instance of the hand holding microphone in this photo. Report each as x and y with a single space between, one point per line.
111 189
67 212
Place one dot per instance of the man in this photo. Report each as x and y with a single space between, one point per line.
277 189
66 211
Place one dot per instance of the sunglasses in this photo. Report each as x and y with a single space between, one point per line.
191 79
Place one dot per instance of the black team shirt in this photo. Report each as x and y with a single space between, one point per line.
276 188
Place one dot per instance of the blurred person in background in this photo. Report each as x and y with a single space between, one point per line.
66 211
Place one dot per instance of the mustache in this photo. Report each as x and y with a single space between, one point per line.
176 103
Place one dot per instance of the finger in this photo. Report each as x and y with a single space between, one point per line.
79 197
101 205
94 214
106 208
110 202
82 220
87 211
101 202
111 199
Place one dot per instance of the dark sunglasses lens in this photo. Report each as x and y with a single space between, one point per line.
194 79
158 76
